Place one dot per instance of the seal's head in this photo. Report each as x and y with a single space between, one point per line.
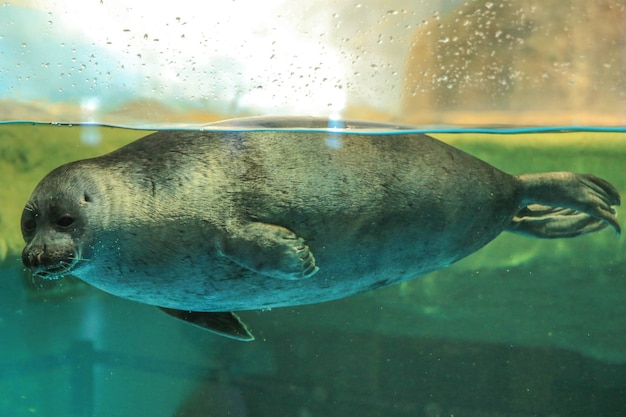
54 222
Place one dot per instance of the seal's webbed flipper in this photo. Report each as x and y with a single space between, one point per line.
576 204
226 324
270 250
549 222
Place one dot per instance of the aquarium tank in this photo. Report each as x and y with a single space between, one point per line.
521 328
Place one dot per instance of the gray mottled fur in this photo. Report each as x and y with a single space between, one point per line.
178 218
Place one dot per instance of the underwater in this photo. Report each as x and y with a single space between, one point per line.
439 311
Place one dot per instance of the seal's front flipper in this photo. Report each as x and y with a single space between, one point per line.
270 250
225 324
550 222
590 200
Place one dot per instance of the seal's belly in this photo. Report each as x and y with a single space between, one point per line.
192 289
204 281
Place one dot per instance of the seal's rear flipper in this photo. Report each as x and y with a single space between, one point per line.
576 204
550 222
226 324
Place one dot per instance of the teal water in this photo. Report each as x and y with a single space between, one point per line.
522 328
97 355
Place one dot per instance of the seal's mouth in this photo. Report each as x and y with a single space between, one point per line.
53 272
43 265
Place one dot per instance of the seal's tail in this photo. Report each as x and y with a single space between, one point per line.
564 204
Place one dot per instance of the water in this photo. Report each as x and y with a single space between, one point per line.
521 328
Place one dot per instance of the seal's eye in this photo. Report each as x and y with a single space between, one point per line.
65 221
29 225
86 198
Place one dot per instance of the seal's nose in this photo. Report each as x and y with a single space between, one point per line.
32 256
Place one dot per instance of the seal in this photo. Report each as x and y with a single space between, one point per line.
204 223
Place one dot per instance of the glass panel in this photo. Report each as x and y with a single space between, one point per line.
522 327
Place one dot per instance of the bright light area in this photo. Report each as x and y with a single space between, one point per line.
270 56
